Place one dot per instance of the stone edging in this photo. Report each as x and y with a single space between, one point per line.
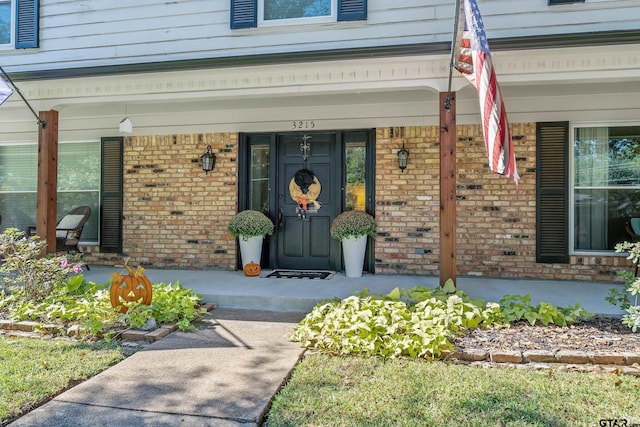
36 329
629 360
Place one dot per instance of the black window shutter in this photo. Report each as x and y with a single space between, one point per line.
27 27
111 195
552 207
244 14
352 10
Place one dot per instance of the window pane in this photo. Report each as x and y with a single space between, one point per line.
79 166
5 22
600 217
606 185
259 179
18 210
607 156
288 9
355 188
78 184
18 168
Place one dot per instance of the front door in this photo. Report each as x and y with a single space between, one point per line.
338 165
307 203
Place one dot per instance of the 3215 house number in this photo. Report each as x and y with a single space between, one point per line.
303 124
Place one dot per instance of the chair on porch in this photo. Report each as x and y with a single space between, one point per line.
633 228
69 229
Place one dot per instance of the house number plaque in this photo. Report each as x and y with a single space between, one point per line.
303 124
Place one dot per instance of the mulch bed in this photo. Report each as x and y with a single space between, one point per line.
595 334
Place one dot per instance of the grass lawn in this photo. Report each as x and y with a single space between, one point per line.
32 371
357 391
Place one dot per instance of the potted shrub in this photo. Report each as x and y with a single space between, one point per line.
250 227
352 229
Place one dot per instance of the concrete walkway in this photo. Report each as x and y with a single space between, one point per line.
226 372
223 374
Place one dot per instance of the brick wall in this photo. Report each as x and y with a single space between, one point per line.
174 214
496 220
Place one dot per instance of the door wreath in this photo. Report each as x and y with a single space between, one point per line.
304 189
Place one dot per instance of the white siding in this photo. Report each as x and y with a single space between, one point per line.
108 32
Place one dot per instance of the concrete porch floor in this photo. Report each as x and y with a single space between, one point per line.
232 289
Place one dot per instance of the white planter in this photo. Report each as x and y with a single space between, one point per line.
353 250
250 249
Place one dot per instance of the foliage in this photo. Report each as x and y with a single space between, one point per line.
353 223
79 306
82 307
388 327
250 223
171 303
615 297
519 307
355 165
33 371
417 322
326 390
29 273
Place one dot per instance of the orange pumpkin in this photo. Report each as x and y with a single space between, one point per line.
135 286
251 269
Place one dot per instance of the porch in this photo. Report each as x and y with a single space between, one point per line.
232 289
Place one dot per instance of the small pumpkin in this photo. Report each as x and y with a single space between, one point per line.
135 286
251 269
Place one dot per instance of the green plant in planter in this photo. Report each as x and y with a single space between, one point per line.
351 224
250 223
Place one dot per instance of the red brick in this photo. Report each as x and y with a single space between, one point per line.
572 356
504 356
133 335
157 334
608 358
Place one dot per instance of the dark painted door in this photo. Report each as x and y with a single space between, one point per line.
303 240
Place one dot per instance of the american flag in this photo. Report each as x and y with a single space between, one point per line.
473 59
5 91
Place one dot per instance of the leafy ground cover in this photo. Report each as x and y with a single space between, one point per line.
327 390
420 322
32 371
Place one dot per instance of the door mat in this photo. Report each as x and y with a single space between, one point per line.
301 274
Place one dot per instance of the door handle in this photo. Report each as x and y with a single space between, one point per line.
280 219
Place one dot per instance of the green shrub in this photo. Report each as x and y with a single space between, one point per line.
628 300
353 223
417 322
27 272
250 223
84 308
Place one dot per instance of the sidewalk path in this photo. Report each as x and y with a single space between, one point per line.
223 374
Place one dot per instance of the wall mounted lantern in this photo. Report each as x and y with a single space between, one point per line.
208 160
403 156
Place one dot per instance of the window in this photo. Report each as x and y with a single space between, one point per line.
78 184
5 23
288 12
19 24
259 178
605 185
253 13
355 189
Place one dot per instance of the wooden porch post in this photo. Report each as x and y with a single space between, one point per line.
47 189
447 189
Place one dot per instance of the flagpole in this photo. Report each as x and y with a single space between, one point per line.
447 102
40 121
